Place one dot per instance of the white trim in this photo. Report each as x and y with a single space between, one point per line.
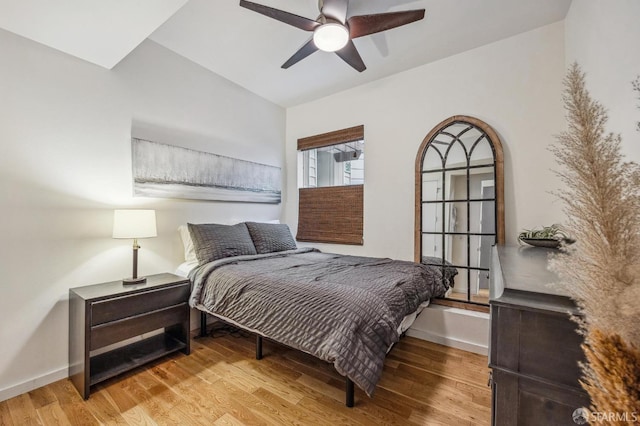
34 383
458 328
449 341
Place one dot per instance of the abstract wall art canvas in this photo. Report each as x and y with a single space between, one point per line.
167 171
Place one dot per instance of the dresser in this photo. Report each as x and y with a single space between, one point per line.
534 347
104 317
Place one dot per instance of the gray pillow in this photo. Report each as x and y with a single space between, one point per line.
271 237
212 241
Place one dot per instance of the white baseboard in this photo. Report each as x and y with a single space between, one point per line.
448 341
457 328
34 383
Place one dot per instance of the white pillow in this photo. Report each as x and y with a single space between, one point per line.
189 251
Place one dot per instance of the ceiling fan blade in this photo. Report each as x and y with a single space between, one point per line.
307 49
335 9
370 24
350 55
281 15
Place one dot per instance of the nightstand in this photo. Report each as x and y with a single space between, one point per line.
104 314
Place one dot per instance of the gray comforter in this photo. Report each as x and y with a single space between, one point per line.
341 309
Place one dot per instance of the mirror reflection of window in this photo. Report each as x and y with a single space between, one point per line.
459 172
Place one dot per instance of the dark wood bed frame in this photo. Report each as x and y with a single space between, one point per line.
349 387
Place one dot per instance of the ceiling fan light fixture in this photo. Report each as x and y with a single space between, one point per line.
330 37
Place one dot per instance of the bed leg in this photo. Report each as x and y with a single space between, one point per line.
203 324
349 399
258 346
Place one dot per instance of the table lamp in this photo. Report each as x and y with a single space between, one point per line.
134 224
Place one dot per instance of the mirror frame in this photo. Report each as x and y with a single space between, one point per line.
494 140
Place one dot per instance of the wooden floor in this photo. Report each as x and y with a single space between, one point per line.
221 383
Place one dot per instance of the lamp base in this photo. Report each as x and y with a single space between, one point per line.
133 281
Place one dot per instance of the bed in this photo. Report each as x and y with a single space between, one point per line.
346 310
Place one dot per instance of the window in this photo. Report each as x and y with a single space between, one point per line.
334 165
459 203
331 187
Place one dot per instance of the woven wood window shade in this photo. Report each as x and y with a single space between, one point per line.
332 214
332 138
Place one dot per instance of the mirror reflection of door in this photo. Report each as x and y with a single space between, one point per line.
487 226
432 242
459 207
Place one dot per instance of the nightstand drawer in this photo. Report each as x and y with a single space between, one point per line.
112 332
126 306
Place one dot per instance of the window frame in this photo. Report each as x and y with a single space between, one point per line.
331 214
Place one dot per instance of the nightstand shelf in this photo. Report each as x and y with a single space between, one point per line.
103 317
121 360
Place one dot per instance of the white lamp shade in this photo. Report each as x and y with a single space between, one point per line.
134 224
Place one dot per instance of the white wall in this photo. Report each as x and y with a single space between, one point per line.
603 37
65 164
514 85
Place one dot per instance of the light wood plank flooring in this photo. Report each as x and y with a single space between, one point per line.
221 383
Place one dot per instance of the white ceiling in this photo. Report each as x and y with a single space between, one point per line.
102 32
248 48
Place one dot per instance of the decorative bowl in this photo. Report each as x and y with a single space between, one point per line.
546 242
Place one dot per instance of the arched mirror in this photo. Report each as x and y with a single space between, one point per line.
459 205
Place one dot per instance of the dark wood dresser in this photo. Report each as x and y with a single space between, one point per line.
534 346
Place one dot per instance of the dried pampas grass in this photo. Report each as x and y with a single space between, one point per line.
614 363
601 271
602 201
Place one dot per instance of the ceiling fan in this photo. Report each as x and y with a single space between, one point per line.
333 31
